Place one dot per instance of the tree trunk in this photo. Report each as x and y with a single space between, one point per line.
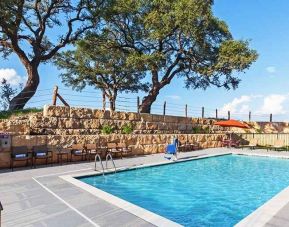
112 100
148 100
112 105
19 101
103 100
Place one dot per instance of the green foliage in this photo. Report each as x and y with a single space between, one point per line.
258 130
200 130
93 64
127 128
107 129
35 31
6 94
8 114
170 38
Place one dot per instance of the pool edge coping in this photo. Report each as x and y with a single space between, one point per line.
136 210
262 215
268 210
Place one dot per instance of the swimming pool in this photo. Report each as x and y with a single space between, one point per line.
216 191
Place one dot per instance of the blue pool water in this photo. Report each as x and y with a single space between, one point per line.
218 191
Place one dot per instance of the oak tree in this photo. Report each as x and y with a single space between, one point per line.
36 30
177 38
91 63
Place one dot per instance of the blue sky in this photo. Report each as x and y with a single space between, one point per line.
264 88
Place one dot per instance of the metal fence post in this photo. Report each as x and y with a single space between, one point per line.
216 113
229 115
250 116
164 110
271 118
186 110
138 104
203 112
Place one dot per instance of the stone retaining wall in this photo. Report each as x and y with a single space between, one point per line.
60 120
141 144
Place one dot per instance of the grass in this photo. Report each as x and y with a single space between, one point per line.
7 114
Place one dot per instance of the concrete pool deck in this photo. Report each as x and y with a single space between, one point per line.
39 197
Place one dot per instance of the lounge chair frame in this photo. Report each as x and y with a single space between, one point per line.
20 150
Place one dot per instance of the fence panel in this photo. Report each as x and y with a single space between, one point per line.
267 139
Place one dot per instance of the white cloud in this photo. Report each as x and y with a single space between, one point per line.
273 104
258 104
271 69
174 97
239 105
11 76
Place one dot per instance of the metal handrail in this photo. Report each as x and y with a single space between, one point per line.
109 156
1 208
97 157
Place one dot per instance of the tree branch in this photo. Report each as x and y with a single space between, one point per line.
6 44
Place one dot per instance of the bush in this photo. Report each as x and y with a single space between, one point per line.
258 130
7 114
127 128
107 129
200 130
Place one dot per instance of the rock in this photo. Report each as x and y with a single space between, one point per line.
56 111
81 113
43 122
151 126
100 114
144 117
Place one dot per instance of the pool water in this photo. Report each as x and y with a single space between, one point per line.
216 191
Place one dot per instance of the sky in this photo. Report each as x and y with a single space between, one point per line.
264 88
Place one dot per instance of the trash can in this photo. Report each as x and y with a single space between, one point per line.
1 208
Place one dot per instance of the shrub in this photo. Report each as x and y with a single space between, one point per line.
258 130
200 130
107 129
127 128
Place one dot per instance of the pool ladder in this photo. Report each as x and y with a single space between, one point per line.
107 158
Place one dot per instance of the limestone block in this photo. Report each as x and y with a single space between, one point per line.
150 149
56 111
170 126
162 148
183 120
140 126
43 122
146 117
133 116
100 114
81 112
157 118
162 126
151 126
69 123
89 123
182 127
138 149
189 127
118 115
16 129
171 119
44 131
28 141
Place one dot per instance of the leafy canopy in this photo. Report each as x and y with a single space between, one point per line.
93 64
178 38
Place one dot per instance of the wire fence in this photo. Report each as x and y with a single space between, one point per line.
94 99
